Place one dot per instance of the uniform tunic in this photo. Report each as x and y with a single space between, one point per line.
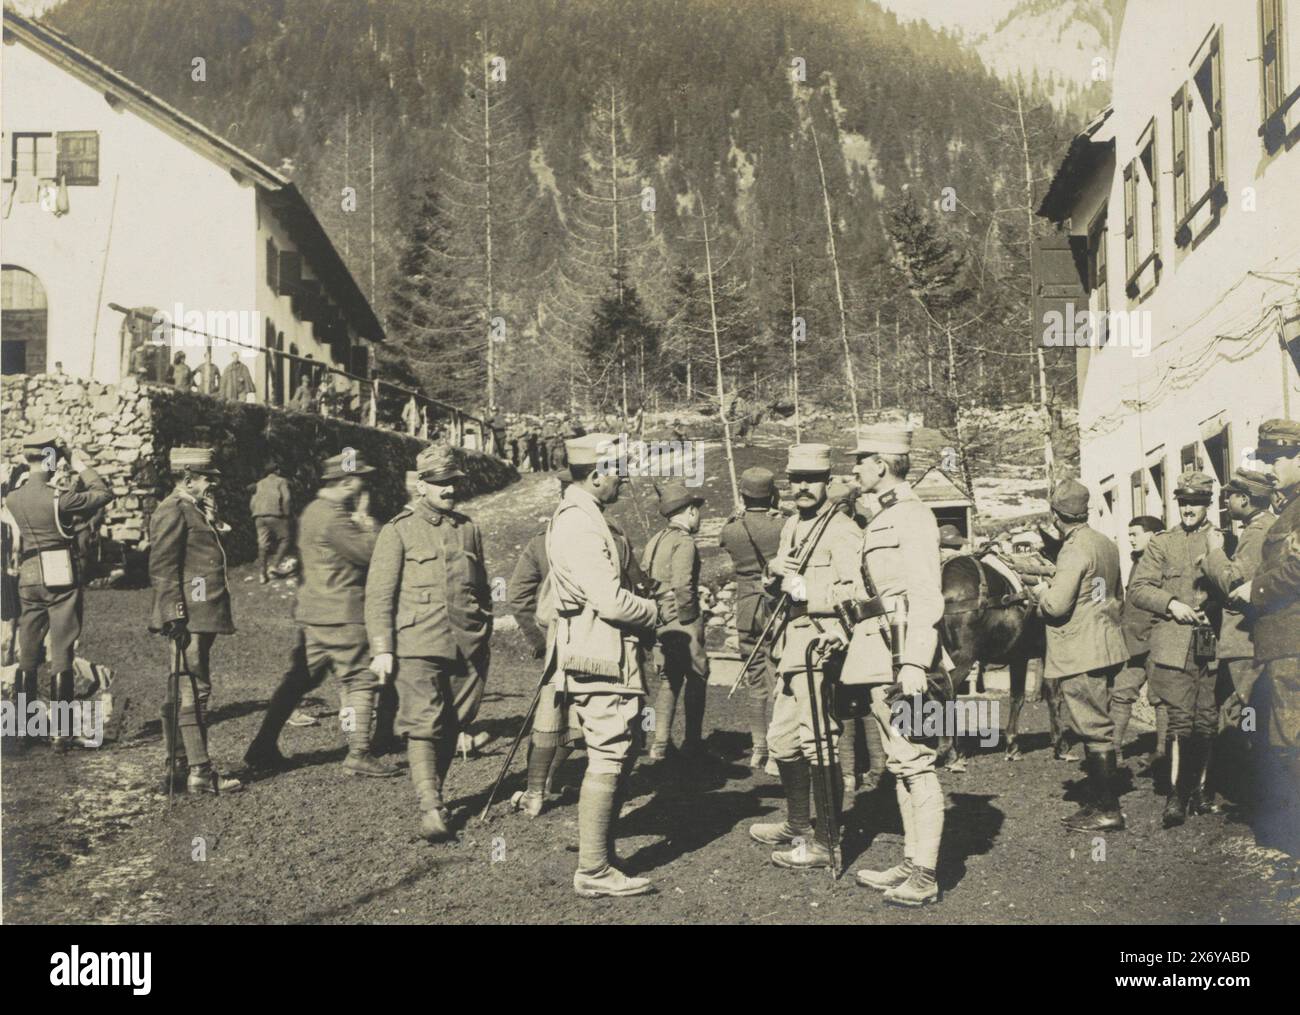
1236 651
752 538
1085 641
672 562
428 603
1168 571
187 567
44 519
1136 623
1275 596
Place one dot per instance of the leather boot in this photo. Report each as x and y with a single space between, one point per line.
23 694
1188 777
815 851
264 752
919 889
360 760
848 749
204 779
882 881
796 782
1203 799
61 694
434 817
1104 814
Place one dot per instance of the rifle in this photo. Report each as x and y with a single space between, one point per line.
810 541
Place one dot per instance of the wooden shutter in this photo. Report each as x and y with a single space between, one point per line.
1216 110
272 265
1270 49
1130 219
78 157
290 272
1182 179
1155 189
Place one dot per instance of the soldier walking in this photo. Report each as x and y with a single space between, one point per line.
49 575
1086 648
672 562
899 646
596 656
832 575
1169 583
428 613
187 567
270 506
1136 624
336 540
1250 495
753 538
1274 595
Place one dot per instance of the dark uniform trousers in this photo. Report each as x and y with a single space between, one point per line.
1087 699
1190 694
323 649
438 697
196 695
272 541
45 611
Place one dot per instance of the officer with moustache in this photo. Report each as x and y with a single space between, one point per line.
752 538
832 575
900 554
429 619
1168 583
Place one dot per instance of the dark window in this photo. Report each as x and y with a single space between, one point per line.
1139 491
1190 458
79 158
1157 470
23 319
33 155
272 265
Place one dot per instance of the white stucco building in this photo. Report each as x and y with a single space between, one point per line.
111 196
1180 208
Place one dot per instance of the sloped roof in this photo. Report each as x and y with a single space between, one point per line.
1083 157
280 192
935 485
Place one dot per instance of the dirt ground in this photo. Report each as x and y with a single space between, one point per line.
87 838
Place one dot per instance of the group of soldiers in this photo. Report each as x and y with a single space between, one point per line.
530 444
839 612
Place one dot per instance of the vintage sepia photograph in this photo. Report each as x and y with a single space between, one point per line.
651 462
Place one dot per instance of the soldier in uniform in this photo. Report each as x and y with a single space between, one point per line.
1274 595
49 579
900 644
1136 624
832 575
1168 582
187 567
753 538
596 656
336 541
270 506
429 617
1250 496
672 562
1086 648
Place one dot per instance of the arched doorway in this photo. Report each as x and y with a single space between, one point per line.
23 321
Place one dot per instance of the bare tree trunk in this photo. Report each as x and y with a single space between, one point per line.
878 366
618 266
717 361
794 358
487 225
839 289
372 203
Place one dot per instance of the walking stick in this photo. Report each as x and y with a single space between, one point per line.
832 817
174 719
810 541
510 755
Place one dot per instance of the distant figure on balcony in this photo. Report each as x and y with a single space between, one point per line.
307 397
182 376
207 378
236 383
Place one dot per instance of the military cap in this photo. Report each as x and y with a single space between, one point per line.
591 449
198 460
345 464
437 464
1278 437
950 537
884 439
1194 488
1251 483
757 482
809 458
1069 499
674 496
46 437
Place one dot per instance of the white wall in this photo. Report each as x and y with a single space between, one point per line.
1206 289
182 228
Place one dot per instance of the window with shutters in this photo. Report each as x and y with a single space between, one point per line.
1142 217
32 155
272 265
78 158
1279 48
1198 152
1098 292
1138 493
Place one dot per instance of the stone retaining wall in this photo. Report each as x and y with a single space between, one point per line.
127 430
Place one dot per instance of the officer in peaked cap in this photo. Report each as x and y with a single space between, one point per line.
1274 595
336 541
752 538
49 575
817 577
594 660
672 562
187 568
428 614
1086 649
1169 583
1249 499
